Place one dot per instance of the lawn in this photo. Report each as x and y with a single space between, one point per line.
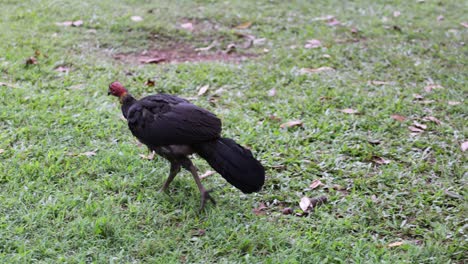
361 102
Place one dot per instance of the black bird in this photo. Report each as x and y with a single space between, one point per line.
174 129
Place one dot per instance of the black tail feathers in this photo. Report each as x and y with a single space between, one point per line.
235 163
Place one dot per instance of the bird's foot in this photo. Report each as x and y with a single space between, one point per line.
204 196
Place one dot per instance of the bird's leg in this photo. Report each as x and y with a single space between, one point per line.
175 168
204 193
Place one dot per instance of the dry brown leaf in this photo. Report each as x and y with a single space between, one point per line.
398 118
150 156
88 153
418 96
203 90
316 70
380 160
65 23
207 174
150 83
415 129
62 69
428 88
419 125
313 43
349 111
244 25
433 119
31 61
315 183
77 23
274 118
292 123
272 92
287 211
153 60
396 244
427 101
396 13
333 22
379 83
464 146
187 26
304 204
453 103
260 210
136 18
1 151
464 24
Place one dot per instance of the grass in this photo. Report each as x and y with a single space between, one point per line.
57 205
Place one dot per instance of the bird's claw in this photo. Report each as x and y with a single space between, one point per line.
204 196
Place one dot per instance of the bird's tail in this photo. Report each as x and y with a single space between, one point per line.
235 163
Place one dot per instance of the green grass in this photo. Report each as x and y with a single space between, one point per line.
59 206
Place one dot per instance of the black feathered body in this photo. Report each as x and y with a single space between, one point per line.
174 128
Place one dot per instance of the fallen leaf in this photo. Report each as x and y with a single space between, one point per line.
316 201
430 87
62 69
433 119
88 153
203 90
313 43
150 83
287 211
272 92
304 204
440 18
398 118
153 60
136 18
292 123
418 96
464 146
464 24
316 70
374 141
415 129
187 26
260 210
7 85
453 103
349 111
274 118
31 61
453 195
1 151
315 183
379 83
427 101
419 125
198 232
396 13
207 174
150 156
65 23
77 23
244 25
396 244
380 160
230 48
333 22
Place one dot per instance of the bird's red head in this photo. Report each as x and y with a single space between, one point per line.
117 89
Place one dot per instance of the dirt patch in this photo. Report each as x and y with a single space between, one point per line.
179 53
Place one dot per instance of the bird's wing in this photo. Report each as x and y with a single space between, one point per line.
160 120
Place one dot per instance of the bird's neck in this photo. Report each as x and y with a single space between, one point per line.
126 100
